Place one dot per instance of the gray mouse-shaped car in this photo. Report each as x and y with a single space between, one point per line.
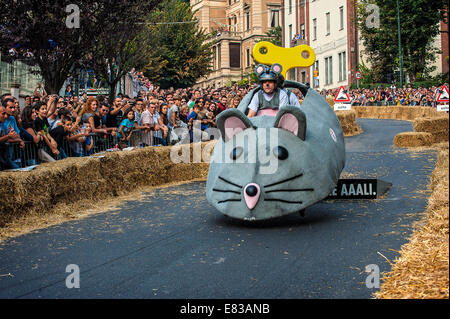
268 166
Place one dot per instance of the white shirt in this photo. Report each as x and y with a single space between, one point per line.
293 100
254 104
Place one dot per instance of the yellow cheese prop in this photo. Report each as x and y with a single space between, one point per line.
301 56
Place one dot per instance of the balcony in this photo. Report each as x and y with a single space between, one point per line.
228 35
298 42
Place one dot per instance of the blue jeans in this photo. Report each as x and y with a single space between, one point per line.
6 157
62 154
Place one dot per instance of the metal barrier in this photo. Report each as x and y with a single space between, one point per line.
30 154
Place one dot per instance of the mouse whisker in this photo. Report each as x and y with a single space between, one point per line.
292 190
229 200
282 201
284 181
231 183
226 191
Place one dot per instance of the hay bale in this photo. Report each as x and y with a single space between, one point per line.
437 126
90 179
413 139
422 270
431 125
348 122
405 113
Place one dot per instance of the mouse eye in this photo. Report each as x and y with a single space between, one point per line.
280 152
236 152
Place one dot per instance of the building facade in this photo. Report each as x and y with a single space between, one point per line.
329 28
236 24
17 78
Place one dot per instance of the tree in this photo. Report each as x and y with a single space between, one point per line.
182 53
121 44
41 27
59 34
419 23
273 35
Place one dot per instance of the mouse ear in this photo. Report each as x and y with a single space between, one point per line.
292 119
231 122
277 68
260 68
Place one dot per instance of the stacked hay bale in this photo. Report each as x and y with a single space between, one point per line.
438 127
405 113
348 122
422 270
427 131
92 179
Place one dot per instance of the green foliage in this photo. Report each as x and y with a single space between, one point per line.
273 35
419 22
108 30
181 52
242 82
367 74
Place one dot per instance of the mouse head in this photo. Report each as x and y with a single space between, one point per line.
269 75
232 121
257 167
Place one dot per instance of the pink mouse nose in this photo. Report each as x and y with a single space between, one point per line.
251 195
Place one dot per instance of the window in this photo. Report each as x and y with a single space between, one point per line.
233 24
274 18
302 32
316 74
328 70
314 29
248 57
247 20
291 37
219 56
290 6
341 18
342 66
292 74
214 58
235 55
303 77
327 16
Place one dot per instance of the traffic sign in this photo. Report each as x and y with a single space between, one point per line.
442 107
358 75
443 95
342 107
342 95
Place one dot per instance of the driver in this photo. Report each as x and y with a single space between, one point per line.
292 97
271 97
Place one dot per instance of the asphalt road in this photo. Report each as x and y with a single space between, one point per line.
173 244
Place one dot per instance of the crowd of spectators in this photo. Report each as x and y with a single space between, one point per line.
390 95
55 127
